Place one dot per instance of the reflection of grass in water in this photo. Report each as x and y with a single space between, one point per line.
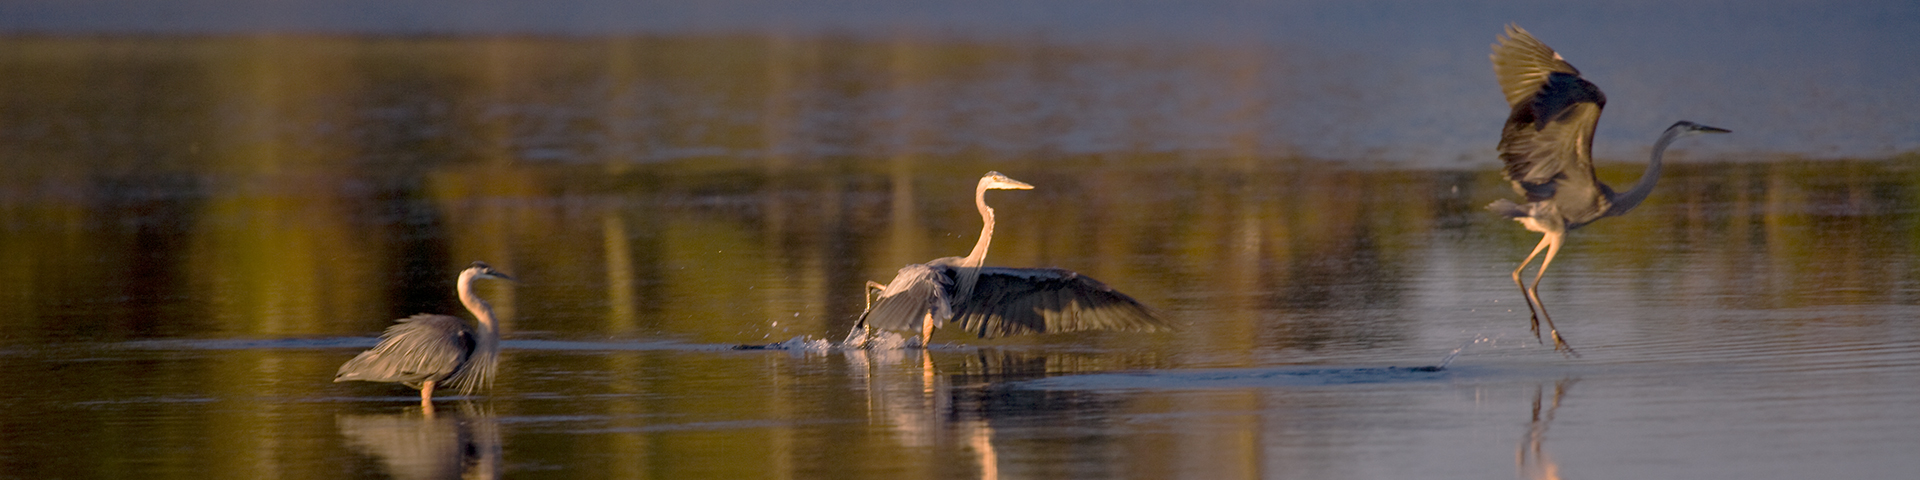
1310 239
288 185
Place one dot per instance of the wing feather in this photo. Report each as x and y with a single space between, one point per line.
1547 143
917 290
1522 64
1015 301
413 351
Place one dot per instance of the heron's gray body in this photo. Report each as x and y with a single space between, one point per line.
1547 146
428 350
418 349
1006 301
998 301
1547 143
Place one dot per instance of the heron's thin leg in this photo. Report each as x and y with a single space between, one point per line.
1553 248
1533 314
873 286
926 329
426 395
861 330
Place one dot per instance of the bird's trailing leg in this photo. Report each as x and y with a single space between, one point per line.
1552 241
862 333
873 288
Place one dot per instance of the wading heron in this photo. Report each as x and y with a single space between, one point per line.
998 301
1547 146
426 351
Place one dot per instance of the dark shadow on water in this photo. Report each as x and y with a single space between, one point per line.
1255 377
1241 378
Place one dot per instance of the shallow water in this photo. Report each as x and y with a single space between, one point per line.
196 231
1752 321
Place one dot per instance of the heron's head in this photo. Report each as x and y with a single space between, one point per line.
1000 181
1690 128
482 270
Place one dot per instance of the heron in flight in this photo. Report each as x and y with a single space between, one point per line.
998 301
1547 146
426 351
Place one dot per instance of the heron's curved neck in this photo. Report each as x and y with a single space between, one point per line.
970 266
481 310
1644 186
979 255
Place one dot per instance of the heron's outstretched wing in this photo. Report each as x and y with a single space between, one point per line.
1012 301
1522 64
918 289
415 350
1547 143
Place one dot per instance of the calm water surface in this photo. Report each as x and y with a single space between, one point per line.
195 232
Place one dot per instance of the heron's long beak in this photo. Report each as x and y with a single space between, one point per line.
1000 181
492 274
1707 129
1004 183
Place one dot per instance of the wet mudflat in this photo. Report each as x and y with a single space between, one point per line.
196 231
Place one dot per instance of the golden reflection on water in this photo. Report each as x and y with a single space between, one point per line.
674 255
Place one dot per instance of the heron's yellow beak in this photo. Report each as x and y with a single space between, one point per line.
1000 181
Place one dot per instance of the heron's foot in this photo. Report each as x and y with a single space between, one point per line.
1561 345
1535 328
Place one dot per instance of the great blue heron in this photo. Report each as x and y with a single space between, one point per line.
996 301
428 350
1548 149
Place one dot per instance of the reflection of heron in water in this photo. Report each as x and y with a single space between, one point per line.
996 301
925 409
426 350
1547 146
1532 459
426 446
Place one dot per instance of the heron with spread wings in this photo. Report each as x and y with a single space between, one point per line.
1547 146
428 350
999 301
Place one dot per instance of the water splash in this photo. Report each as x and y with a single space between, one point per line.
1444 362
858 339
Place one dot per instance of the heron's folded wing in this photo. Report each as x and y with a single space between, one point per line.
1012 301
915 291
416 349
